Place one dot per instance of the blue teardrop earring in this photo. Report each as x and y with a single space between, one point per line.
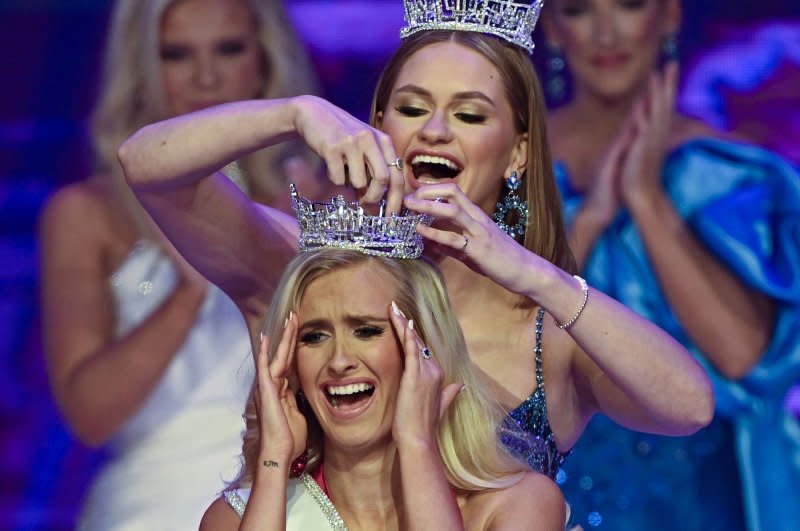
512 211
555 84
670 51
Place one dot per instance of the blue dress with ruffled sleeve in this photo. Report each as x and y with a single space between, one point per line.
743 471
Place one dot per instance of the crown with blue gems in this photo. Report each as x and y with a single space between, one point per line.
340 224
512 21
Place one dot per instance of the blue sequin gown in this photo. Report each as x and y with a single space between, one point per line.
743 471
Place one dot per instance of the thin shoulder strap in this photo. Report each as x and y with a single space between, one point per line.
235 501
538 350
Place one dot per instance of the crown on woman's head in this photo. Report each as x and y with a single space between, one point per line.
340 224
513 21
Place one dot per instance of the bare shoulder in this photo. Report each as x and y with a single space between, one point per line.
686 128
535 503
219 516
77 201
542 498
78 214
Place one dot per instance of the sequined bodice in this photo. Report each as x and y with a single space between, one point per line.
526 433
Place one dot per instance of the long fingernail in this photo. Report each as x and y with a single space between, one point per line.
411 324
261 337
463 388
396 310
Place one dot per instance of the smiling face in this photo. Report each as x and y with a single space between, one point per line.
210 54
349 361
450 119
611 46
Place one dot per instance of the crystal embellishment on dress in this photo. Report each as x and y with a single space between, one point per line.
511 20
341 224
325 505
526 433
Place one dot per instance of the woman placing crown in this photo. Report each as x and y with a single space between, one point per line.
463 110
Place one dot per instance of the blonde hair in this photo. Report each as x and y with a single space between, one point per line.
132 94
468 445
545 234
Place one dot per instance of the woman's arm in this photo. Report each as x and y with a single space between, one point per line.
99 381
172 167
667 390
624 365
730 322
237 245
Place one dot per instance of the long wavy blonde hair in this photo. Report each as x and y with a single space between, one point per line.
132 93
472 457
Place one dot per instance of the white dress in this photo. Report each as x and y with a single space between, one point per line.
170 461
307 506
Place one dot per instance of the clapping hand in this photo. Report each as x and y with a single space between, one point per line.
640 176
422 398
284 431
630 171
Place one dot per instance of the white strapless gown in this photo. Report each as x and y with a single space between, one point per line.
171 460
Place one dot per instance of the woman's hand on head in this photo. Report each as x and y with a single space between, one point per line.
467 233
284 430
652 114
354 152
422 398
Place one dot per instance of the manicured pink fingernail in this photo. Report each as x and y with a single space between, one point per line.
396 310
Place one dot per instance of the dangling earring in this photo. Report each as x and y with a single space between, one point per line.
299 465
554 83
516 206
669 49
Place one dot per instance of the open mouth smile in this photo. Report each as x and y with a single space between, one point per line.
433 168
349 397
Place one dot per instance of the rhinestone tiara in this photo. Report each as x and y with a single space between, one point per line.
340 224
512 21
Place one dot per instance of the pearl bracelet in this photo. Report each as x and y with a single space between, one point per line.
585 290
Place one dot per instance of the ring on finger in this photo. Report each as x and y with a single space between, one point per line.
425 352
397 163
464 246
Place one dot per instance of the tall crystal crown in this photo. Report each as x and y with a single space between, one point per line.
340 224
513 21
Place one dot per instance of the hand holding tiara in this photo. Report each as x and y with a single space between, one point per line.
354 153
340 224
468 234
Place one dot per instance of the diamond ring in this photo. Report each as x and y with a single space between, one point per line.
425 352
466 242
397 163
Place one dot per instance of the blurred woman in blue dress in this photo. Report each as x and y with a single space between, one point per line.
697 233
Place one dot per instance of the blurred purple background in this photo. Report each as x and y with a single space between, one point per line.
741 71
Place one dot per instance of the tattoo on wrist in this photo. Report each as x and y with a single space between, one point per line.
270 463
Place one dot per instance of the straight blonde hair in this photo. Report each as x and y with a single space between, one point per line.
132 92
472 456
